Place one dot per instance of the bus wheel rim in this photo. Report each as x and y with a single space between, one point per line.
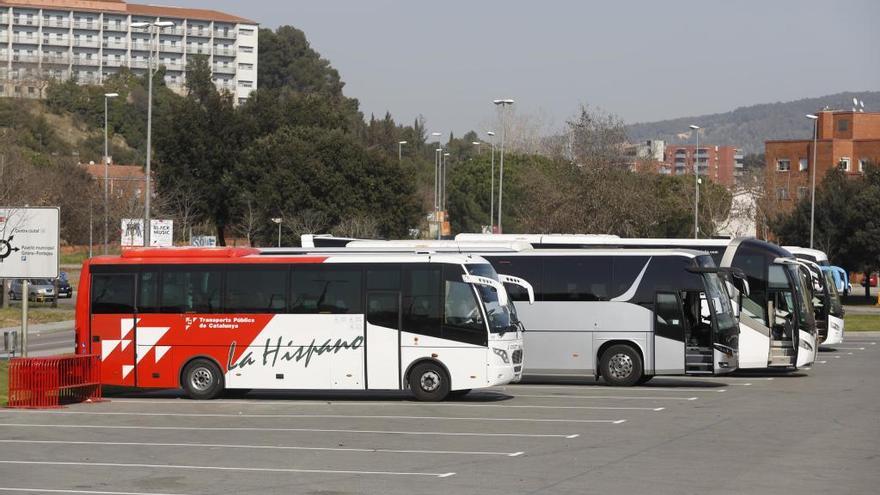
201 379
429 381
621 366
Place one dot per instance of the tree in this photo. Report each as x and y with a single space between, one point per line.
288 61
198 142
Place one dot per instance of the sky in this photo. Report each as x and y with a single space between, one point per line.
641 60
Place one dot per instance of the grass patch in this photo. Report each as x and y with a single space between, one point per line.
4 382
861 323
11 317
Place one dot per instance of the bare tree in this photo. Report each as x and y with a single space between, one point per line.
362 227
305 222
249 221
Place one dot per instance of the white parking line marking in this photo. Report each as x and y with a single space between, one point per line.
318 416
224 468
848 348
742 384
591 389
849 354
821 362
614 397
836 357
261 447
297 430
84 492
257 402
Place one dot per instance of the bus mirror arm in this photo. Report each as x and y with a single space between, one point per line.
739 278
510 279
486 281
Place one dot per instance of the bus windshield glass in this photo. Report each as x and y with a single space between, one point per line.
721 307
500 320
835 309
802 286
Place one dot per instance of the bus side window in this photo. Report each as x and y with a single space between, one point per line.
326 291
527 268
421 301
148 292
256 289
113 293
190 291
577 278
668 319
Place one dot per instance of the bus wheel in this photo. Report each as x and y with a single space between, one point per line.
621 366
202 380
429 382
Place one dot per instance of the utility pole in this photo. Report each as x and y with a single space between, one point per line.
503 103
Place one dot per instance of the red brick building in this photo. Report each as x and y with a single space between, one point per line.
125 181
721 164
846 139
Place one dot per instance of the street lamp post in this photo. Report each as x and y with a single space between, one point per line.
400 150
492 187
503 104
107 96
153 28
436 171
278 220
443 197
696 129
815 119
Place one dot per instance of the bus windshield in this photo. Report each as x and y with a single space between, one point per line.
500 320
721 307
836 308
802 286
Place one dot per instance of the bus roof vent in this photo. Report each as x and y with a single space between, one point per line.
189 252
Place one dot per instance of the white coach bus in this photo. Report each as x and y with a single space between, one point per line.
624 315
777 321
826 298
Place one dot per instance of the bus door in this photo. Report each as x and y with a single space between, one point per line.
112 326
699 333
384 319
669 334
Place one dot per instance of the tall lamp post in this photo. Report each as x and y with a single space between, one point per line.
278 220
503 104
492 187
107 96
696 130
154 28
436 171
815 119
443 205
400 150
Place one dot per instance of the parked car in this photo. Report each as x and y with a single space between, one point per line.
65 291
39 290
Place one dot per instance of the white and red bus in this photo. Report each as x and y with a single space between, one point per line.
210 319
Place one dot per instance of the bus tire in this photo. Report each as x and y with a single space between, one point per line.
202 380
429 382
621 366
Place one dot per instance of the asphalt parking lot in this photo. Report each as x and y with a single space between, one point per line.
815 431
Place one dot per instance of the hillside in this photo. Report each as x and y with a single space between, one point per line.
748 127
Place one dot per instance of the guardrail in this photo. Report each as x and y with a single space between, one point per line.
50 382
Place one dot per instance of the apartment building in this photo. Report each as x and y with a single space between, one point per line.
721 164
89 40
847 140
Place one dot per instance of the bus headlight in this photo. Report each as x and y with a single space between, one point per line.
502 354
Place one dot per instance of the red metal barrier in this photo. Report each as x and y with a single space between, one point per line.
49 382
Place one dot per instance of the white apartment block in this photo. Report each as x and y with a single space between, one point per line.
88 40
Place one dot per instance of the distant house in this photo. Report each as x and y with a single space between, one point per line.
124 181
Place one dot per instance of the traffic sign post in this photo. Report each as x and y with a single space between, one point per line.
28 249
